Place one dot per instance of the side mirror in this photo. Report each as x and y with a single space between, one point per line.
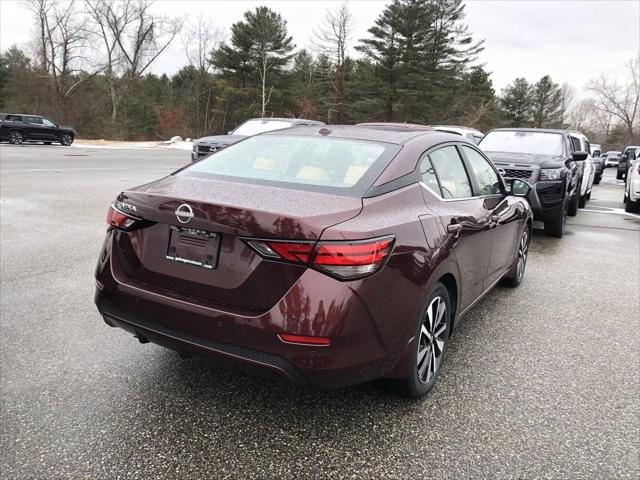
230 132
520 188
580 156
568 162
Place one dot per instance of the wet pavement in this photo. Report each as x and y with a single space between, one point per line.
541 381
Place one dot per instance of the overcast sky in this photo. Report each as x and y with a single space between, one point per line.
570 40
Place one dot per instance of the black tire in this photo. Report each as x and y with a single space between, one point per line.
618 175
589 195
47 143
556 226
16 137
596 180
572 207
582 201
422 377
631 207
66 139
516 274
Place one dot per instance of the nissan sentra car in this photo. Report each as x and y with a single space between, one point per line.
330 256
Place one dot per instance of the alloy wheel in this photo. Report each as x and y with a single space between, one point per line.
523 252
432 340
16 137
67 139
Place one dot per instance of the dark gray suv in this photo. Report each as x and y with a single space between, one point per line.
546 160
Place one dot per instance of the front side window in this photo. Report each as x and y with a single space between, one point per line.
486 176
335 163
454 182
575 144
48 123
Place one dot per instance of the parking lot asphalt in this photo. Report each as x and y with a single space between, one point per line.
541 381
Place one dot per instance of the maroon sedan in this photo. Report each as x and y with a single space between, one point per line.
331 255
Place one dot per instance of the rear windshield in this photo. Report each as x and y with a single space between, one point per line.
540 143
309 163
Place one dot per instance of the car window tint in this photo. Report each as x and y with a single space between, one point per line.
35 120
429 175
486 176
454 182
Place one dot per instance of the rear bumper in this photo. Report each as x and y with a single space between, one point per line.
316 305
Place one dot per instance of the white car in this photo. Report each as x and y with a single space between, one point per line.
595 148
581 143
469 133
632 187
611 158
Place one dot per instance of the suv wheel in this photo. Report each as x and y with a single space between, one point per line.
432 338
618 175
555 227
16 137
583 201
516 274
67 139
631 207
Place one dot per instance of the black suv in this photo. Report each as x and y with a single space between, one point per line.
17 128
546 160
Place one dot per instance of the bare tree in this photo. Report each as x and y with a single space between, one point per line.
331 39
62 48
200 38
620 101
133 38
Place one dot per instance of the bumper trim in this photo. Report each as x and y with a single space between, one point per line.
115 316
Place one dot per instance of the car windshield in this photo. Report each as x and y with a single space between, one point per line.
613 154
294 160
253 127
542 143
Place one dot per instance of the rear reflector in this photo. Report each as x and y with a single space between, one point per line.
297 252
304 340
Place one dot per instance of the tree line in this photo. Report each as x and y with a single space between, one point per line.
89 66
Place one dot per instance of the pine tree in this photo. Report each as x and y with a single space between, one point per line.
547 104
517 104
259 45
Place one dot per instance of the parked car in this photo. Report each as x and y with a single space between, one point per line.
624 161
469 133
612 158
632 187
206 145
598 162
331 256
580 143
545 159
17 128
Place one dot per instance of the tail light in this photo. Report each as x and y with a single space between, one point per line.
344 260
119 219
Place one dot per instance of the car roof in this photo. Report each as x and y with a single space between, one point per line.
395 126
358 132
288 120
532 129
456 127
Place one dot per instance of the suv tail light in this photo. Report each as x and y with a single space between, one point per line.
344 260
119 219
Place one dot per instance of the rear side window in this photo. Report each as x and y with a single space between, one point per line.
35 120
452 176
14 118
321 163
485 175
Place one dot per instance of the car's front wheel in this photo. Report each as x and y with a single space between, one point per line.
631 207
16 137
432 338
67 139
